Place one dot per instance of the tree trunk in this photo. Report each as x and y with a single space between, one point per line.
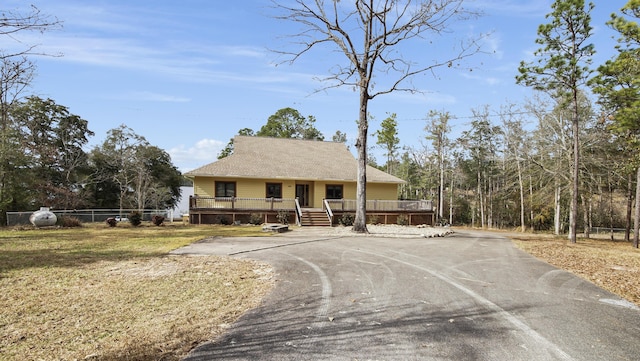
627 228
636 221
531 216
556 217
523 226
611 207
360 221
575 169
490 205
451 202
441 190
480 201
473 215
585 216
590 214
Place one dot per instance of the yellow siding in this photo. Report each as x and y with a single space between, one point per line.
316 189
204 187
288 189
245 188
350 190
382 191
256 188
250 188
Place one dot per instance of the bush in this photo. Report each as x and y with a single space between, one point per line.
66 221
403 220
135 218
111 221
347 219
157 220
256 218
283 217
373 219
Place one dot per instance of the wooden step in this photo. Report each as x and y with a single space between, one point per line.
310 218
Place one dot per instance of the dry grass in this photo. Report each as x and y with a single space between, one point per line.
100 293
612 265
114 294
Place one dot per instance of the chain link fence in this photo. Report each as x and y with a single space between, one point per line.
88 215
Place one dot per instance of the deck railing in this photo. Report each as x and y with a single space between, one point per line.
381 205
298 212
234 203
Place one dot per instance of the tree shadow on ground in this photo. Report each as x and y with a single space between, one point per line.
406 331
62 258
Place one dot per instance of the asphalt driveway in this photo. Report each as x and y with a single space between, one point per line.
469 296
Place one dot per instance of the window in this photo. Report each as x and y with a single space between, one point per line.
274 190
334 191
225 189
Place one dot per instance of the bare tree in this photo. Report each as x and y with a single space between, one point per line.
371 34
16 74
438 129
514 150
14 22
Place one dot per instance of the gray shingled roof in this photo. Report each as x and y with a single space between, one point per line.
283 158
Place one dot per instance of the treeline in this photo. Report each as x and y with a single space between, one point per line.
511 168
43 162
569 159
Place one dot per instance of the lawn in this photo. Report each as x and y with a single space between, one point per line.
101 293
115 294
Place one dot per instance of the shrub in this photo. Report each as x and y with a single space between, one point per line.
543 219
135 218
403 220
256 218
111 221
347 219
373 219
283 217
157 220
66 221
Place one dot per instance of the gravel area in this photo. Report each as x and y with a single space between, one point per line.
394 231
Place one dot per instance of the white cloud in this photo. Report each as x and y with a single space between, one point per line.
203 152
514 7
429 97
156 97
487 80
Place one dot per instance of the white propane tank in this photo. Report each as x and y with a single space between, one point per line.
43 218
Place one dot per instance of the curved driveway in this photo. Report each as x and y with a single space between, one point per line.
469 296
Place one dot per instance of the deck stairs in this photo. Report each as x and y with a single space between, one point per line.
314 217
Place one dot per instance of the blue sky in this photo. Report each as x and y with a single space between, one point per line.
187 75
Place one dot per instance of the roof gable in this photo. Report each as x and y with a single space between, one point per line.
286 158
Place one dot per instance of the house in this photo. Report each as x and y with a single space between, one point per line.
313 182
